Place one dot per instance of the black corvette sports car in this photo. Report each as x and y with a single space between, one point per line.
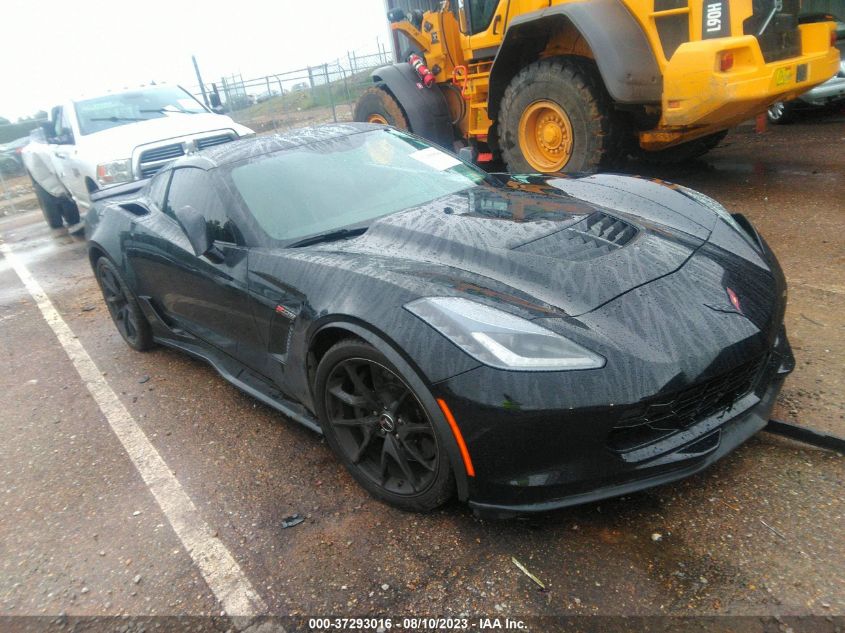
524 342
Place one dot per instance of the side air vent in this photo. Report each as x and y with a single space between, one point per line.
134 209
596 235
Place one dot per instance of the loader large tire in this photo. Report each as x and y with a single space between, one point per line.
378 105
556 115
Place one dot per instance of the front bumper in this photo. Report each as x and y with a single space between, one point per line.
538 461
699 99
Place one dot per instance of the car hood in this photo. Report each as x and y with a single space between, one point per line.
120 141
573 253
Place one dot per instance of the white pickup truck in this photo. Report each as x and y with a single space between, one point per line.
93 143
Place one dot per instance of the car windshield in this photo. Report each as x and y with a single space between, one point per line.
346 181
102 113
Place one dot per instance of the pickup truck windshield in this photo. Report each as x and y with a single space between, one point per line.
102 113
351 180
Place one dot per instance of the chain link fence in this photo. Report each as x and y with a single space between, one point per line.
296 98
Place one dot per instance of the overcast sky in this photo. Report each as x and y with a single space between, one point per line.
53 49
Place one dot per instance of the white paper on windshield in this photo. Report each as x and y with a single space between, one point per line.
436 159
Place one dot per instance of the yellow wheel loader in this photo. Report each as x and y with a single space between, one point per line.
573 85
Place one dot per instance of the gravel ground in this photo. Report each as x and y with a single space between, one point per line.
761 533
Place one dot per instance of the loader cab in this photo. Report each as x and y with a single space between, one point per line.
482 26
475 16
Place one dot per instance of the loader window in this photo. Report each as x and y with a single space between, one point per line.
476 15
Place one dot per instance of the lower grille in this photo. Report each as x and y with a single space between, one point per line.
660 417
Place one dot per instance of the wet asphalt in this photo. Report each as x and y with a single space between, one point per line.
759 533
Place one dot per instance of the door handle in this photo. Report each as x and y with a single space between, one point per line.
60 154
497 20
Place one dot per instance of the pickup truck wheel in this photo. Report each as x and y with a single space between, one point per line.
556 115
377 105
50 205
123 307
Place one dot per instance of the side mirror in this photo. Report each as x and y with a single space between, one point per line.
196 229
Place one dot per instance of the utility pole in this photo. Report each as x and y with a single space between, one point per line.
199 80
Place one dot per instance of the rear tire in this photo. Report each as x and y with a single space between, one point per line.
378 105
378 427
556 115
123 307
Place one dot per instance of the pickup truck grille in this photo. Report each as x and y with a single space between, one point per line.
780 37
153 159
163 153
211 141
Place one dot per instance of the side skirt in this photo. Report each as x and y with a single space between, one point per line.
230 369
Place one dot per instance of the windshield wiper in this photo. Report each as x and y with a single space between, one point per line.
115 119
331 236
170 110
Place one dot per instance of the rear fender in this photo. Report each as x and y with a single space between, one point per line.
426 108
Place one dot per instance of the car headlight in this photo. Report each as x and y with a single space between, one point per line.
115 172
500 339
721 211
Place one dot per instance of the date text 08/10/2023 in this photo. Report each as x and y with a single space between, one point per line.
416 624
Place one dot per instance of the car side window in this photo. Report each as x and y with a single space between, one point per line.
58 122
193 187
66 126
158 187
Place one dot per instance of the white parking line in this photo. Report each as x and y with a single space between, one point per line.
216 564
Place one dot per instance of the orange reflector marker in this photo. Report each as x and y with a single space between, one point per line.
726 62
458 437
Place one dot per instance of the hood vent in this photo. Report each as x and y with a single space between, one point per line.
596 235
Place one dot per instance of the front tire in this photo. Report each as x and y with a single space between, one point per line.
379 428
556 115
123 307
378 105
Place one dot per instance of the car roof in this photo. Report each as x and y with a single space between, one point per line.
246 148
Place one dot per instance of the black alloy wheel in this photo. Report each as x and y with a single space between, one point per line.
123 307
377 425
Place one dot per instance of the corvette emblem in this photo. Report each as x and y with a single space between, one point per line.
734 300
